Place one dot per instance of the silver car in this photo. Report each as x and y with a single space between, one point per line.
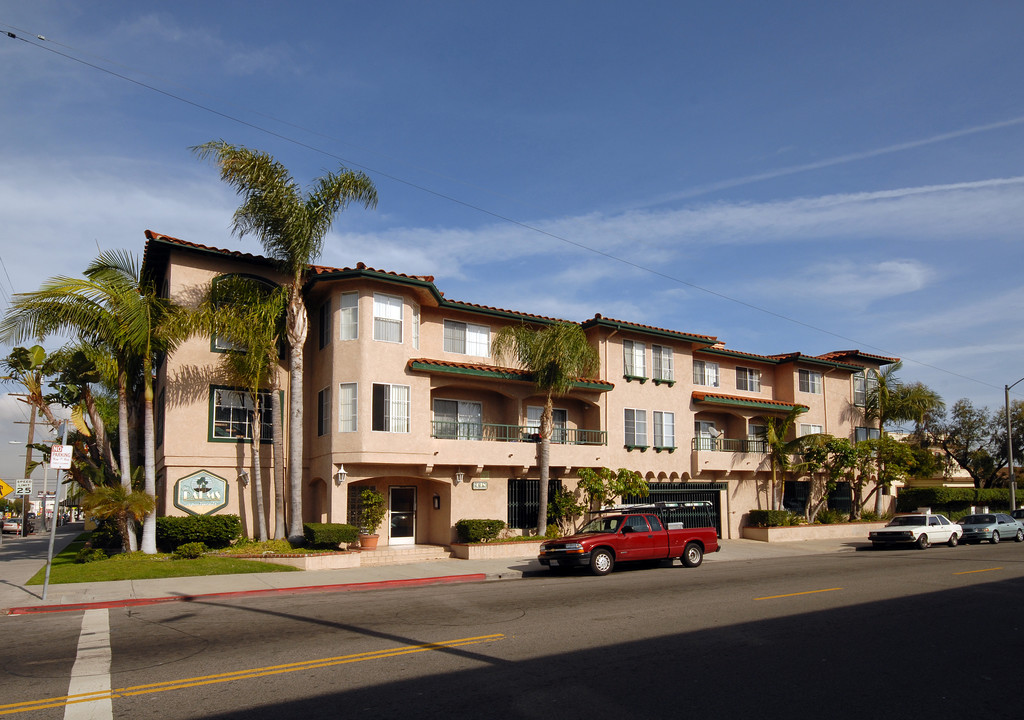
991 527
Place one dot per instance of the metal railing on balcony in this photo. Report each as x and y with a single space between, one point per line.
448 430
720 444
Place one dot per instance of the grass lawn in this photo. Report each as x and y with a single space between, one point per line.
138 566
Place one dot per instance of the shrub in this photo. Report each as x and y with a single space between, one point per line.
214 531
478 530
773 518
373 508
869 516
90 554
106 535
952 500
189 551
329 534
831 517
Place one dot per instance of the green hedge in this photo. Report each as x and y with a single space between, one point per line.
952 500
329 534
214 531
772 518
478 530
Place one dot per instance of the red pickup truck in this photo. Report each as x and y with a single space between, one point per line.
635 532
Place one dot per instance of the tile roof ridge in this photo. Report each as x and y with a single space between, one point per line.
599 316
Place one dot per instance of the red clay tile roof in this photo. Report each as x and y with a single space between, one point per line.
508 373
854 355
699 396
600 318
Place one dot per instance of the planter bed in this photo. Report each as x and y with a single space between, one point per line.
797 533
487 551
315 561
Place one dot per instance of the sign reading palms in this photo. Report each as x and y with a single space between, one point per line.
291 225
557 356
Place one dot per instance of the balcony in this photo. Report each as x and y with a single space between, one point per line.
721 456
448 430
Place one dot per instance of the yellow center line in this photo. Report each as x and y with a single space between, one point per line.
808 592
968 572
241 674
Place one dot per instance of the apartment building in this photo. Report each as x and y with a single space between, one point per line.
402 394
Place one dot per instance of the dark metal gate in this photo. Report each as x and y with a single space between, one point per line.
685 492
524 501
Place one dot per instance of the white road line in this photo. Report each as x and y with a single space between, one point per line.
91 673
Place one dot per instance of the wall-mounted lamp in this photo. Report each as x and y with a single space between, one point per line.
340 475
459 477
243 477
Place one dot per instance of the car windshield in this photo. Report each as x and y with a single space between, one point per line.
977 519
908 520
602 525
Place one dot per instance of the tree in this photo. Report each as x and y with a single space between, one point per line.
889 400
827 460
557 356
291 225
975 439
248 313
114 502
780 450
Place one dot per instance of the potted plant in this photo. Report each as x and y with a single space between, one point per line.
373 508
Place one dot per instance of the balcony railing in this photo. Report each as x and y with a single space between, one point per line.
720 444
448 430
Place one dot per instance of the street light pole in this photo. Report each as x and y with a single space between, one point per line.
1009 447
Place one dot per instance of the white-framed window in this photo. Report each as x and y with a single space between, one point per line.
559 422
348 407
636 427
705 373
458 419
634 358
467 339
809 429
324 322
664 429
810 381
755 437
706 433
416 327
232 411
748 379
323 412
390 408
349 314
387 318
662 365
864 382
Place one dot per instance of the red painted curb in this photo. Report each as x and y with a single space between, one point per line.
344 587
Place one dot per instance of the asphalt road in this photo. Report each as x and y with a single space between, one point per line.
896 633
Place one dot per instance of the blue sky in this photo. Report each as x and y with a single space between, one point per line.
796 176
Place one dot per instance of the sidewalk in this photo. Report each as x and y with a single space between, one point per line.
21 558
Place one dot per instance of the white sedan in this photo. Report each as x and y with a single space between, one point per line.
921 530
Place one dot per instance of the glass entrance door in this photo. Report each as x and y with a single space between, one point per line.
402 508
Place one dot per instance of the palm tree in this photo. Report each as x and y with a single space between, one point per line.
780 450
83 307
889 400
248 314
557 356
115 502
291 225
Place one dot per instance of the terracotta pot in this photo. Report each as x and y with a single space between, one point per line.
368 542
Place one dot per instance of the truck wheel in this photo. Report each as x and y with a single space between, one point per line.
692 555
602 562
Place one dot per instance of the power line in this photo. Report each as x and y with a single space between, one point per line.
463 203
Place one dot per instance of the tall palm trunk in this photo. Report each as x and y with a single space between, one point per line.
278 424
124 448
297 328
149 460
257 471
544 463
